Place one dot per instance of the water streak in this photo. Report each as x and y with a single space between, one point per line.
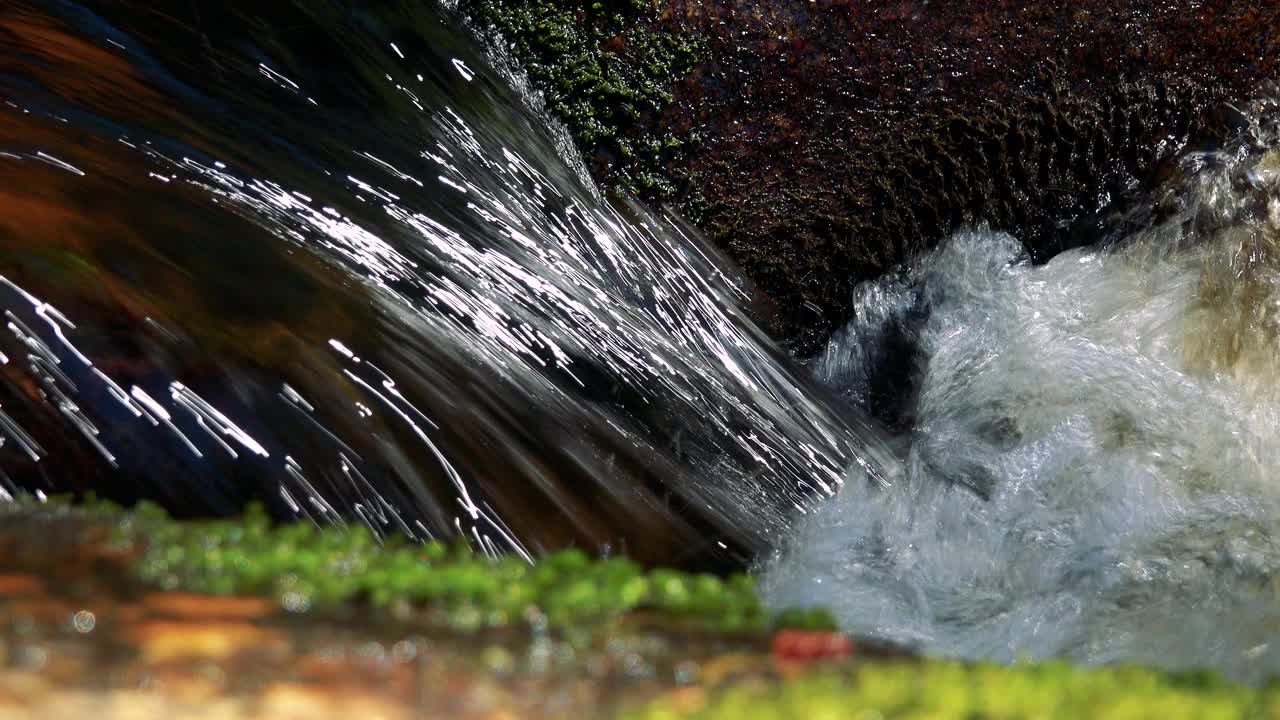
378 291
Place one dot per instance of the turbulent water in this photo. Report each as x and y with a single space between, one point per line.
330 260
1092 465
327 258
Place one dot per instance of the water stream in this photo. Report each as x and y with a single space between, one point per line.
334 262
330 259
1094 443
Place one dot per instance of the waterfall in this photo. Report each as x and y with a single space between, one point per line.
333 259
346 270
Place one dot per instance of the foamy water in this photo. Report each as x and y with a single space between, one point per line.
374 288
1120 408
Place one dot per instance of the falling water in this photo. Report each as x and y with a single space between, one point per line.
1092 464
327 258
370 288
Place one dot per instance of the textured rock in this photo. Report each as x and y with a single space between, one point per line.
607 69
836 139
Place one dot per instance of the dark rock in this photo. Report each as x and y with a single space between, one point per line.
838 138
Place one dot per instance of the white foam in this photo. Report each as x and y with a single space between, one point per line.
1121 407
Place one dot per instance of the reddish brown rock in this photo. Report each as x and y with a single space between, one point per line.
196 607
839 138
20 584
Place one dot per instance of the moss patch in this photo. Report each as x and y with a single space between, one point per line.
303 566
607 70
941 690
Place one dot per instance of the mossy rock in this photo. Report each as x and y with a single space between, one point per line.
943 690
607 70
835 141
304 566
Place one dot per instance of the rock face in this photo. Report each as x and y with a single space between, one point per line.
836 139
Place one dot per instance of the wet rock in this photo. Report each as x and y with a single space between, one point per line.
837 139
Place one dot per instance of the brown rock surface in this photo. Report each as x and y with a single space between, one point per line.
839 138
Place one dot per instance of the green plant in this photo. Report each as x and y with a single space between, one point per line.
305 566
606 70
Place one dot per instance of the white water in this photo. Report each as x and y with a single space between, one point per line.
1122 410
1118 409
533 366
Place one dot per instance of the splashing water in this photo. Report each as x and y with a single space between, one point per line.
326 257
1092 465
370 288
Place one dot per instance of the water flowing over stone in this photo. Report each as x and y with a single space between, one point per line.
326 257
344 270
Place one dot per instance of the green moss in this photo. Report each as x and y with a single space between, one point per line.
606 70
806 619
943 690
304 566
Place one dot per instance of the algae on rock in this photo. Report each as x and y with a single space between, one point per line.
303 566
607 71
